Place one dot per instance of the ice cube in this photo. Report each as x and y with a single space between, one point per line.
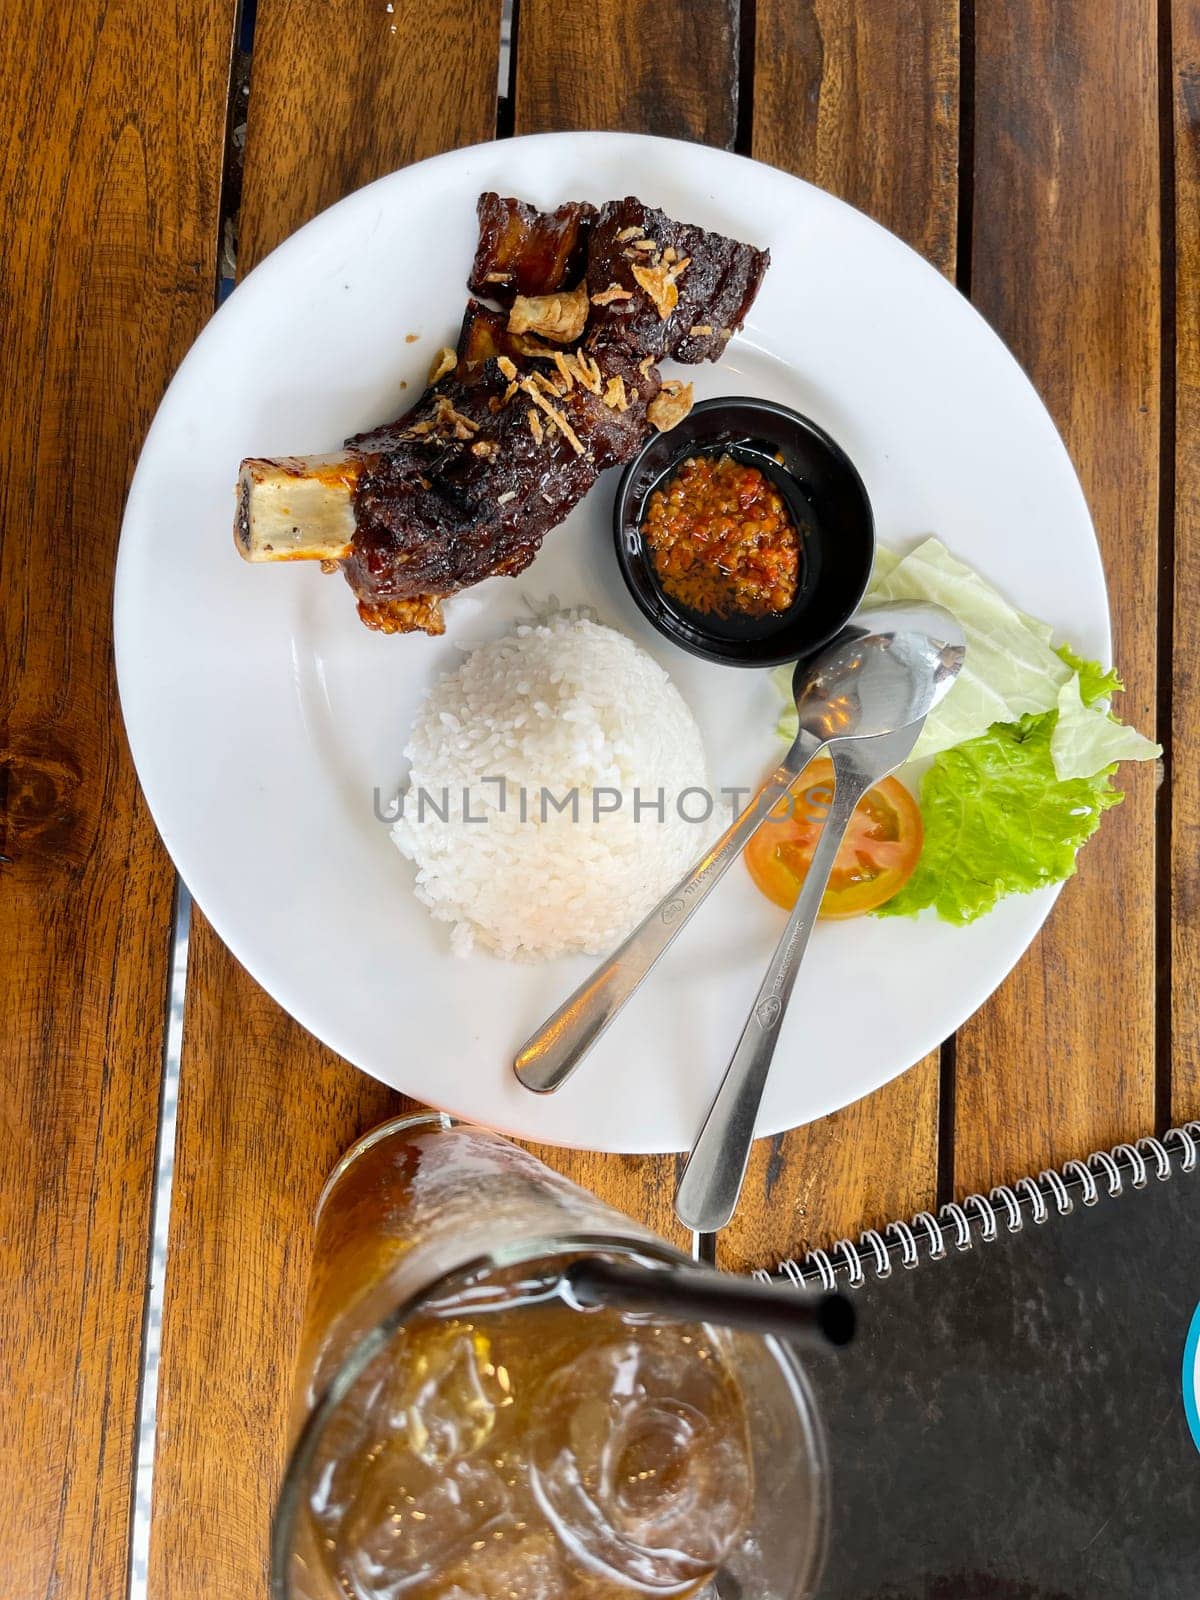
516 1566
640 1461
451 1395
396 1535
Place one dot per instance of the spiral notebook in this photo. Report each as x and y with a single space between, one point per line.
1017 1418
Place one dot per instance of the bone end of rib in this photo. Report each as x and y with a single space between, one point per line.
296 508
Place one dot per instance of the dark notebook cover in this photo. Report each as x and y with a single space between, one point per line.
1017 1420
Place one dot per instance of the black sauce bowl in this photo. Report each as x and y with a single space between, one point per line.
828 504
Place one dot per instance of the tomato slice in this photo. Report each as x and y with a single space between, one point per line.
876 859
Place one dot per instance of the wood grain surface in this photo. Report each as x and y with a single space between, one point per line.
862 100
1065 265
354 91
645 66
1183 845
110 163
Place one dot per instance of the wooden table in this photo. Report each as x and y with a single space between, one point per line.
1043 154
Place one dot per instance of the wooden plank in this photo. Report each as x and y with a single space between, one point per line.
355 91
264 1112
336 98
644 66
862 100
1185 775
111 129
1066 267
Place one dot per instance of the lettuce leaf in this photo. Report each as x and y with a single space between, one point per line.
1086 739
998 821
1094 682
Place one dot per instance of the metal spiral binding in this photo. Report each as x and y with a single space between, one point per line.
978 1218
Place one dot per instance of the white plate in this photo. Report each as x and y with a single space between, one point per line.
264 718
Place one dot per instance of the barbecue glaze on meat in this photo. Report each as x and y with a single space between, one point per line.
540 398
524 251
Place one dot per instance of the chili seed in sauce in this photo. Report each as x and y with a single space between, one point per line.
721 539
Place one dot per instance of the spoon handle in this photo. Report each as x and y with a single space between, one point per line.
550 1056
712 1179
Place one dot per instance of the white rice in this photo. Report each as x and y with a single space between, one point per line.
565 705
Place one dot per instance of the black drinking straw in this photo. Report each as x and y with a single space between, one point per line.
691 1294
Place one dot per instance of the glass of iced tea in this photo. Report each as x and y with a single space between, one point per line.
463 1430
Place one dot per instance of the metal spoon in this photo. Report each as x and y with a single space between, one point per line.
860 684
712 1179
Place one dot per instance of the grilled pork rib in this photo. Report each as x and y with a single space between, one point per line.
518 421
524 251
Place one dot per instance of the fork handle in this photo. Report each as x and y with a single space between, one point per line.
550 1056
712 1179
